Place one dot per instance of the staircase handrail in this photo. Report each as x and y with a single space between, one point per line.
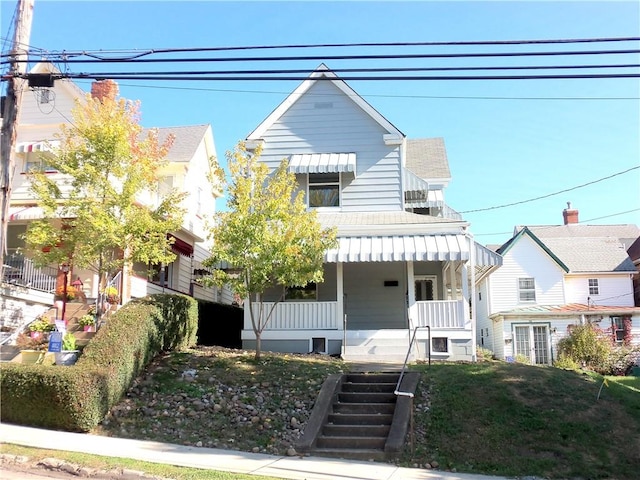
397 390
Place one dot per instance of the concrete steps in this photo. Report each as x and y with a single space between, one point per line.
356 416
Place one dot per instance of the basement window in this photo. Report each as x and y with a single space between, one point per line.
318 345
440 345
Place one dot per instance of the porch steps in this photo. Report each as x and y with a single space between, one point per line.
358 416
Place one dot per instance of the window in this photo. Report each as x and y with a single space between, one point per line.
45 95
440 345
425 288
308 292
526 289
617 327
593 286
324 190
318 345
161 274
37 161
165 186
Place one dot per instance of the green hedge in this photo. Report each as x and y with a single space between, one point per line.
77 398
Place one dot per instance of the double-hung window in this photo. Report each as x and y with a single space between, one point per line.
526 290
593 286
324 190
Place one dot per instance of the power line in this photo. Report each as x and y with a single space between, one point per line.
552 194
368 70
274 92
135 53
349 78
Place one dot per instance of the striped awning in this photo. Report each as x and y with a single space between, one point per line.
46 146
404 248
322 163
26 213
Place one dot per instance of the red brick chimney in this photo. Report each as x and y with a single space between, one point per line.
101 89
569 215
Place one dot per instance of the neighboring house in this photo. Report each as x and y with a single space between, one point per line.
26 290
552 278
404 259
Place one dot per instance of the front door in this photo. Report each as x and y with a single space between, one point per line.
532 341
425 288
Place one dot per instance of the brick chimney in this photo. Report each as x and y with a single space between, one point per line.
569 215
101 89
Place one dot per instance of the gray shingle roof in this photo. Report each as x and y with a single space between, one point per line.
427 158
625 233
591 254
187 139
589 248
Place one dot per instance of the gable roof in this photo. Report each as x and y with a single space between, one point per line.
581 248
625 233
525 231
323 74
427 158
186 141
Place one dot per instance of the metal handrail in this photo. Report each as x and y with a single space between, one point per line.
397 390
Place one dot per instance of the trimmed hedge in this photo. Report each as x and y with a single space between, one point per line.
76 398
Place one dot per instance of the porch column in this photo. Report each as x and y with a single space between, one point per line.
465 292
453 277
411 296
340 296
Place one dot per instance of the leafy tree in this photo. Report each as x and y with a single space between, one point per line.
94 216
586 345
267 235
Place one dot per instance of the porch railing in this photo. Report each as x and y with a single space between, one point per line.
440 314
19 270
300 315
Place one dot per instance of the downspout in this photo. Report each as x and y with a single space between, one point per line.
472 293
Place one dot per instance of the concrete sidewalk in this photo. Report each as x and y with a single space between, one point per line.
297 468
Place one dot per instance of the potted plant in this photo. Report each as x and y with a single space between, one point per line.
87 322
71 293
111 294
40 327
32 350
69 353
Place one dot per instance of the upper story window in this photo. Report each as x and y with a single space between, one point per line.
526 290
594 288
37 161
324 190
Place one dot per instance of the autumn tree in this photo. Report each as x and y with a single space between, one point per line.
267 236
96 215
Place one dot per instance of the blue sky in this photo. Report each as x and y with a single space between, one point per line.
507 141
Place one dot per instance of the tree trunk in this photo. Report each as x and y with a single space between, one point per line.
258 342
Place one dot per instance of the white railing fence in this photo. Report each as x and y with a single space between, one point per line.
19 270
440 314
300 315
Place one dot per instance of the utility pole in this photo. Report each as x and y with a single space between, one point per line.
11 115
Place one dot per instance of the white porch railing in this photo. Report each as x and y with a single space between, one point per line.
440 314
299 316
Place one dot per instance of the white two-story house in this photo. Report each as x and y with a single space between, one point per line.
552 278
404 259
26 290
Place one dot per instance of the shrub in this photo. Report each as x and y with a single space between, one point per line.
484 354
586 345
42 324
522 359
78 397
566 362
619 361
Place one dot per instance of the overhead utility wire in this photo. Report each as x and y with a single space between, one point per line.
152 51
354 57
369 70
554 193
352 78
372 95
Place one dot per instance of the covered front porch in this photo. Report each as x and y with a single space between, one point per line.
369 304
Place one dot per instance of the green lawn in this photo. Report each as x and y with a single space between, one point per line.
511 419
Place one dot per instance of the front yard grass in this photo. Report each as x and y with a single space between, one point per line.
512 419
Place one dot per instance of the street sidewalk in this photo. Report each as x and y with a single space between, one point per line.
297 468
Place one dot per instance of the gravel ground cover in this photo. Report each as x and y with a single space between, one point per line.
223 398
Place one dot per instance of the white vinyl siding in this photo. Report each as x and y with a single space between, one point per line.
526 260
614 289
340 127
